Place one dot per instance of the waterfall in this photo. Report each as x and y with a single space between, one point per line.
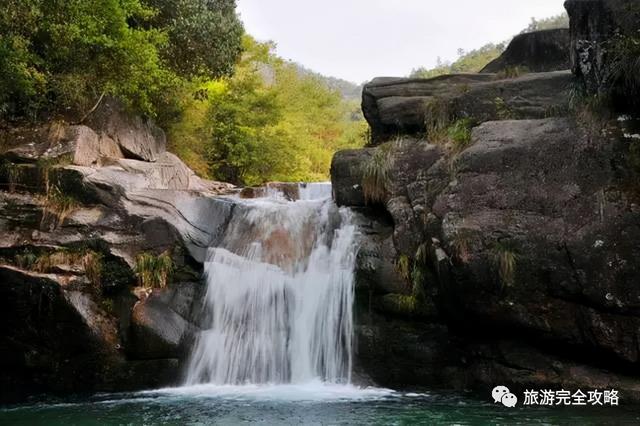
279 297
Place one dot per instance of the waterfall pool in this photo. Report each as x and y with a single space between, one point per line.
314 404
279 309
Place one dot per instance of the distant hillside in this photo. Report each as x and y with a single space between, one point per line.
348 89
475 60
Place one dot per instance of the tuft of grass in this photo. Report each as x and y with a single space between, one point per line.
46 164
624 51
154 271
86 261
403 267
376 175
503 110
461 246
504 259
437 120
513 71
459 133
57 207
92 265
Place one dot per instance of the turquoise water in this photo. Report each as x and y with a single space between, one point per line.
294 405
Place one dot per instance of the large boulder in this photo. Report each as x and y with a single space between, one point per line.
139 138
538 51
347 171
545 245
58 340
161 324
61 143
394 107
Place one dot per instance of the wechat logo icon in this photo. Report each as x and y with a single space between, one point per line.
502 395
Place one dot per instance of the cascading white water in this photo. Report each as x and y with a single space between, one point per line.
280 295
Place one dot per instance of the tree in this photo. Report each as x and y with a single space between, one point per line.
205 36
61 56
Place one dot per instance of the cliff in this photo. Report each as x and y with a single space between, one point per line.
82 207
503 219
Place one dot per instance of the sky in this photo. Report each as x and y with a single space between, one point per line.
358 40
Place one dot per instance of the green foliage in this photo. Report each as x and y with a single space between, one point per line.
376 174
153 271
477 59
204 36
459 133
503 110
504 259
553 22
470 62
403 267
62 56
625 66
269 122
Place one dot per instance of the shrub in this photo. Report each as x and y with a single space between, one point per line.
376 174
154 271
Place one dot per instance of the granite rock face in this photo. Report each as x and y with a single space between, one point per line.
400 106
78 205
600 30
509 256
538 51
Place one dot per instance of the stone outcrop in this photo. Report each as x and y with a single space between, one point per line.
137 137
399 106
534 246
78 205
538 51
508 257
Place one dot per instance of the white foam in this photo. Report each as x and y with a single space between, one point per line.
313 392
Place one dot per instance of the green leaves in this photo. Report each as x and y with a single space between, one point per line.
59 56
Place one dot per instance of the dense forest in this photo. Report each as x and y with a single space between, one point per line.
233 110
